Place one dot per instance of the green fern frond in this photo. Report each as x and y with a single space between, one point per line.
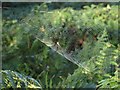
12 79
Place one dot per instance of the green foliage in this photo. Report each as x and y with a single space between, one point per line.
11 79
30 46
102 65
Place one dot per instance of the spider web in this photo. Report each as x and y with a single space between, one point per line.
63 54
32 22
42 37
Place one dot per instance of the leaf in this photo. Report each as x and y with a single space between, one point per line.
19 78
10 79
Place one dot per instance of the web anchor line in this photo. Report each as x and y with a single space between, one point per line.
62 53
